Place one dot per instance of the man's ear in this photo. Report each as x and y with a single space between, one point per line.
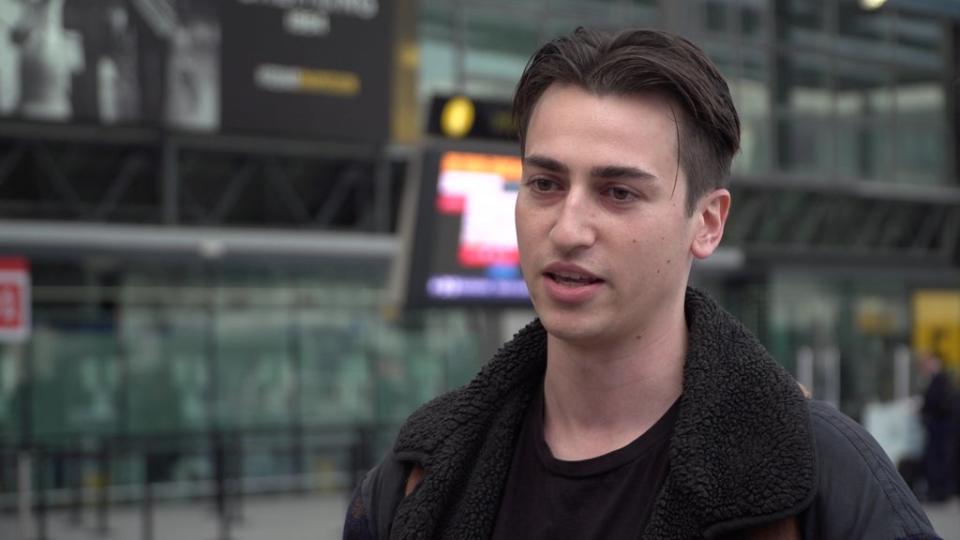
711 216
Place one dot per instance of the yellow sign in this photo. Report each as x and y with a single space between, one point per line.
457 117
323 81
936 324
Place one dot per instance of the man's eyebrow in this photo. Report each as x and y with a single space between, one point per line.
621 171
544 162
604 171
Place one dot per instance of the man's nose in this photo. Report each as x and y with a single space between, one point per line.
574 227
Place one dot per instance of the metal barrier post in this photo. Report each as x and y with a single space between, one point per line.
103 501
220 473
147 516
25 493
236 479
361 452
41 513
76 491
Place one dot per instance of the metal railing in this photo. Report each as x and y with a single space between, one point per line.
136 470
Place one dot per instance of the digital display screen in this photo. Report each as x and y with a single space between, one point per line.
465 245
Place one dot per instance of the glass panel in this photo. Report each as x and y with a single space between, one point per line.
864 34
804 22
716 16
412 368
437 65
9 421
724 55
337 382
923 135
75 376
254 364
863 90
752 14
563 25
864 113
755 148
804 84
807 146
165 351
643 12
499 42
839 335
592 9
864 150
752 98
920 97
921 42
922 153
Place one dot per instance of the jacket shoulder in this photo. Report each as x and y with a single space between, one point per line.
376 498
860 494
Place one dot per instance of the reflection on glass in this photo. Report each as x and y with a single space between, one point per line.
437 51
863 89
715 16
864 149
497 49
803 86
751 20
804 22
755 150
864 34
921 42
922 153
806 146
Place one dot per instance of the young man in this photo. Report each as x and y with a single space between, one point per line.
634 407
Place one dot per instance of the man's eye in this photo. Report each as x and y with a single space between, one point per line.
542 184
620 194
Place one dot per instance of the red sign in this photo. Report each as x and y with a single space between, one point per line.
14 299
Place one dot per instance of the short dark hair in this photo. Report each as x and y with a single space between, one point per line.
635 61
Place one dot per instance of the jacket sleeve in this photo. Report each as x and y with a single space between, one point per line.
375 500
860 494
357 524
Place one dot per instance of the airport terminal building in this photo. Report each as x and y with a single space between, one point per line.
254 225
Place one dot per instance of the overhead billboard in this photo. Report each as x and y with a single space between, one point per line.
307 67
300 68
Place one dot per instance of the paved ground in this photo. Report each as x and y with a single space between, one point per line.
314 517
946 518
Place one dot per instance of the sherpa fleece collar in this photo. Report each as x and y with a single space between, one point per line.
741 453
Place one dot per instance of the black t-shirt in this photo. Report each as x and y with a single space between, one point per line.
609 496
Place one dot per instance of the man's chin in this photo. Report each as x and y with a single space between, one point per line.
574 330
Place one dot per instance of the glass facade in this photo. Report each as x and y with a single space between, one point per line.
283 357
828 91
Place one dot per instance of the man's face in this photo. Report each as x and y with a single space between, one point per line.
605 241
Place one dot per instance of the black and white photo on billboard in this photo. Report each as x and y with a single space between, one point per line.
69 61
107 91
111 62
39 59
192 98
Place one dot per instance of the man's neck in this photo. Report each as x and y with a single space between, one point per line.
600 399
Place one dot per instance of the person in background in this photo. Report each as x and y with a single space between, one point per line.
634 406
938 414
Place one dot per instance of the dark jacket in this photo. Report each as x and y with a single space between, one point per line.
747 450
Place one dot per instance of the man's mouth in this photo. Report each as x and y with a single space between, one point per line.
571 279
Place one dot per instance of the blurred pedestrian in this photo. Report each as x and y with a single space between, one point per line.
939 419
634 406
